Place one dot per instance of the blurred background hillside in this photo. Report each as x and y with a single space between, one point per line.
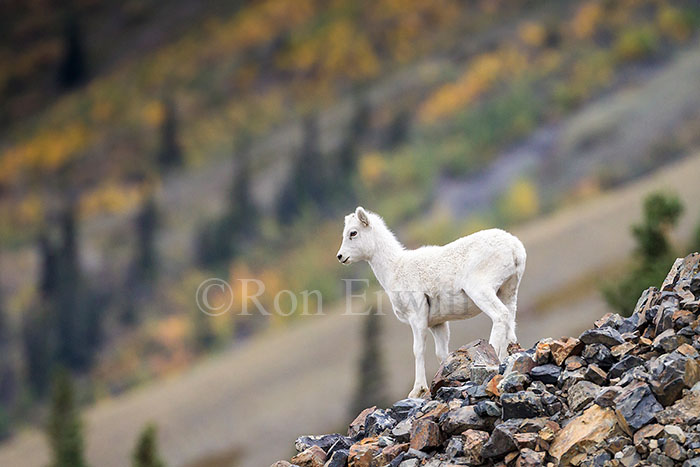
146 146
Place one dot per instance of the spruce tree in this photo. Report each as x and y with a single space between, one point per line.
170 154
307 184
653 254
65 428
146 258
371 384
146 450
348 154
72 71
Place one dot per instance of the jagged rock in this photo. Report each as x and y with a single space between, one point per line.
581 394
660 460
529 458
671 373
448 393
608 320
433 410
675 432
574 362
338 459
543 351
463 418
474 441
637 405
584 432
311 457
501 440
282 464
487 409
378 422
325 442
623 349
648 432
402 431
686 411
512 382
668 341
455 447
628 362
522 404
607 336
405 407
595 374
548 373
457 368
564 348
357 426
482 373
521 362
425 434
598 354
628 457
674 450
606 397
362 454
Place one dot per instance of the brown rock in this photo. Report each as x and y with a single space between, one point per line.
543 351
456 368
474 441
574 362
565 347
584 432
358 425
685 411
435 413
673 450
648 432
596 374
525 440
687 350
622 349
389 453
312 457
492 386
281 464
529 458
362 453
425 435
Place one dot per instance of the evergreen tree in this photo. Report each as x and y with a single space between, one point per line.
146 258
146 450
38 346
65 428
349 152
220 240
307 183
72 71
371 387
170 154
653 254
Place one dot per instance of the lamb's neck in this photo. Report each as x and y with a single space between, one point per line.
384 262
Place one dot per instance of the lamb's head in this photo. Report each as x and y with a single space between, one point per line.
358 242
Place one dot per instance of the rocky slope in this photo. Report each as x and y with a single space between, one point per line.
625 392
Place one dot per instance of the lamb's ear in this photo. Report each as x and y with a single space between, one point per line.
362 216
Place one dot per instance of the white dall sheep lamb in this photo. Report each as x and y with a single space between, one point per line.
435 284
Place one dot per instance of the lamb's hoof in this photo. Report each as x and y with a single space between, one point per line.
419 393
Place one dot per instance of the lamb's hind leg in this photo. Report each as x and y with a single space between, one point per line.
441 335
508 295
486 299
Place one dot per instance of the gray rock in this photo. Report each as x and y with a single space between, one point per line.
487 409
325 442
501 440
378 422
581 394
606 397
338 459
513 382
637 405
455 447
628 457
463 418
628 362
548 374
522 404
598 354
607 336
405 407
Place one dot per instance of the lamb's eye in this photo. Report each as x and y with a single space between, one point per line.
353 234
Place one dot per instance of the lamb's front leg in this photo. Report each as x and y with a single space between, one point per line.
420 332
